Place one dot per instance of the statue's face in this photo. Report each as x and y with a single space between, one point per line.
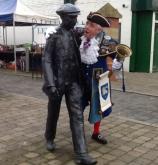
91 29
69 21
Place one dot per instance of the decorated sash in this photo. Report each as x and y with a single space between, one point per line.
96 114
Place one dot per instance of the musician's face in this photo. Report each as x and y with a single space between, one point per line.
91 29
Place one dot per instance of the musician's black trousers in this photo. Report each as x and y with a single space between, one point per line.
74 105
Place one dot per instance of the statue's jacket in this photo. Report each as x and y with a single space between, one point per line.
61 60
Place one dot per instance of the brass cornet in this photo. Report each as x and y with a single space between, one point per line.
122 51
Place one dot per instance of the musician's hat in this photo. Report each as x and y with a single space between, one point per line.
98 19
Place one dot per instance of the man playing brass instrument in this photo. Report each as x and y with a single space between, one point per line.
94 49
94 64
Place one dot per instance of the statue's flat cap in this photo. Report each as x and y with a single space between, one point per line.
98 19
68 9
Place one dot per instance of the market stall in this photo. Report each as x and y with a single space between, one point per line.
15 13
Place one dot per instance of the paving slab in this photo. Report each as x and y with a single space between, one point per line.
22 136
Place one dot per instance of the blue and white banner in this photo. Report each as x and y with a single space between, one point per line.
104 92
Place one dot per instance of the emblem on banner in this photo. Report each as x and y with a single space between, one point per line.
104 91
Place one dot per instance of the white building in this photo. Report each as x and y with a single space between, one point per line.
48 7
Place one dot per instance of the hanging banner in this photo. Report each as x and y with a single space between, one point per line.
104 92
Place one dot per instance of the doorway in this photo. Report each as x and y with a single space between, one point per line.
155 58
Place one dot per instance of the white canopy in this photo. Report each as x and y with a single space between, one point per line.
15 10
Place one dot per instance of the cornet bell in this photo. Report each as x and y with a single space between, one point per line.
123 51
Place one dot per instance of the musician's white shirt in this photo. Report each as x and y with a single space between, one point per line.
89 55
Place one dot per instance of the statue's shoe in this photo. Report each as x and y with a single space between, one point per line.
85 159
50 145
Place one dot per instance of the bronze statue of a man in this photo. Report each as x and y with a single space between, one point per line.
61 66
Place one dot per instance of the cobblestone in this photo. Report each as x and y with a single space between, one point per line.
132 137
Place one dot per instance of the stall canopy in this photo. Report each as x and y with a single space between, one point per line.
15 10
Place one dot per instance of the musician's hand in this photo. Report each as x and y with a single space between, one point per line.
116 65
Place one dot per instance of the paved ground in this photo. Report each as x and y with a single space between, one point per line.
143 83
132 129
137 103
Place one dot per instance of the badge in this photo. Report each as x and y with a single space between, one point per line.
104 91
